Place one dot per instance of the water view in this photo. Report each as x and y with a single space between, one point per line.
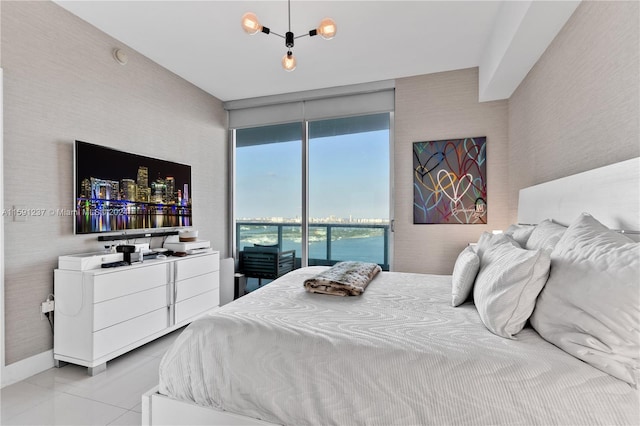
346 242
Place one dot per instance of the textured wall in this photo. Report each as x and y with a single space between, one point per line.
578 108
62 84
434 107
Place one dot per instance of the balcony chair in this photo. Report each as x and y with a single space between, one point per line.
266 262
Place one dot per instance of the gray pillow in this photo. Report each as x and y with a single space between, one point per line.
590 306
545 236
507 286
464 274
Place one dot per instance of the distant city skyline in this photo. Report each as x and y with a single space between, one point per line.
149 174
162 190
348 178
329 219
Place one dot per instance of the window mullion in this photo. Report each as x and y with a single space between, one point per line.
304 222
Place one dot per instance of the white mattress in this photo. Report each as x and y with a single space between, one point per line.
398 354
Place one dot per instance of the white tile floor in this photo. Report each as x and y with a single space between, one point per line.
68 396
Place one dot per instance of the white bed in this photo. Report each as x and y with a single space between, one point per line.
398 354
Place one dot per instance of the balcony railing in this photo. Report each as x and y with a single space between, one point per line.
329 242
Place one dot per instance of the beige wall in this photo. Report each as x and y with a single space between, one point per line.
578 108
434 107
62 84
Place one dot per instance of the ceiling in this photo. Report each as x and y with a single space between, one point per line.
202 41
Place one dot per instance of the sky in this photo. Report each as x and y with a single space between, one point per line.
348 176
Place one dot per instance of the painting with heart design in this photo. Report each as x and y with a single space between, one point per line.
449 181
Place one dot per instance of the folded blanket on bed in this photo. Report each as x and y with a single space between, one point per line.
343 279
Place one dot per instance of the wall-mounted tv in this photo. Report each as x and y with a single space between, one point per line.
119 191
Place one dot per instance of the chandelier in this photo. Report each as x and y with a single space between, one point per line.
326 29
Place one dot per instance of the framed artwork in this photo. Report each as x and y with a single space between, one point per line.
450 181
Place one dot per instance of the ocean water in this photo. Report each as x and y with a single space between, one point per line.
366 248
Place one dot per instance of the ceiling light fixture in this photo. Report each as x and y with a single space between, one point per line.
326 29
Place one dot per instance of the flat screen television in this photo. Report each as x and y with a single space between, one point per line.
120 191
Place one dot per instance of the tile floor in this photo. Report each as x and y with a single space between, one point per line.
68 396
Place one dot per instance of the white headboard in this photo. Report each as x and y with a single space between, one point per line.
611 194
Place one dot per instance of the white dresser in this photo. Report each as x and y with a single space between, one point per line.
103 313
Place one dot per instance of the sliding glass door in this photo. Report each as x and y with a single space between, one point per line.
349 190
319 185
268 187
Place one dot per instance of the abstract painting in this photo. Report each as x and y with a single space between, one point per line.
449 181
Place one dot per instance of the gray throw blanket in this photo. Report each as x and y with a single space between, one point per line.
343 279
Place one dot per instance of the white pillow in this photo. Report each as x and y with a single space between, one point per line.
507 286
590 306
545 236
520 233
488 240
464 274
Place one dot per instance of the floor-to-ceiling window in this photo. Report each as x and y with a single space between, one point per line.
349 190
268 187
322 183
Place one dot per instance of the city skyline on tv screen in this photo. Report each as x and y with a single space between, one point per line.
117 191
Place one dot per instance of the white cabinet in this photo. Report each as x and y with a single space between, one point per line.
102 313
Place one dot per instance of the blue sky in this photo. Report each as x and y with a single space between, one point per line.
348 175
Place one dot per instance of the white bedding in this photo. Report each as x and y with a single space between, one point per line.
398 354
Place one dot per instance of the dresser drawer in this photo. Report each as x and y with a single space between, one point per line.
192 267
190 308
123 282
191 287
114 311
123 334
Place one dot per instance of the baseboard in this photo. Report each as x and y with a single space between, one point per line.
25 368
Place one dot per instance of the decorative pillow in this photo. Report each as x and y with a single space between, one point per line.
545 236
520 233
488 240
590 306
464 274
507 286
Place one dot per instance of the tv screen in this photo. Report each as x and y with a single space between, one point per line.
119 191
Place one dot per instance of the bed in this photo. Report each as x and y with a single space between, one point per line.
401 353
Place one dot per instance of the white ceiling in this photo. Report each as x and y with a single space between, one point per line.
202 41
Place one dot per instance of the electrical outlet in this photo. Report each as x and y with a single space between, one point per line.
47 306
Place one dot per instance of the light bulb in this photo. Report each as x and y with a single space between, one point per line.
250 23
327 28
289 61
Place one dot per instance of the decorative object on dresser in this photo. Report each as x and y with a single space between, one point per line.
103 313
188 245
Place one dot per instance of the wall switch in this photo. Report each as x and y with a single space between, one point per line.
47 306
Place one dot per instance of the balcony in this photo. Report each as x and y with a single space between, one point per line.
329 243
